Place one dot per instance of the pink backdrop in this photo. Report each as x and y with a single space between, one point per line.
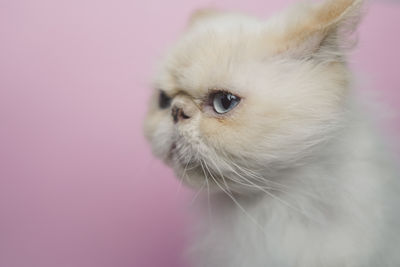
78 185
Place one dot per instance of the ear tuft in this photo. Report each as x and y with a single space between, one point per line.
334 12
322 30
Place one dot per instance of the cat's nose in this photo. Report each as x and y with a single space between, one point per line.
178 114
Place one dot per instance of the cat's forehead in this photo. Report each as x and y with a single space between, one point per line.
209 57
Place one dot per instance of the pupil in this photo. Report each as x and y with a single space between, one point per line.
226 101
164 101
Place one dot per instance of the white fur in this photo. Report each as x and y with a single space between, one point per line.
341 209
296 175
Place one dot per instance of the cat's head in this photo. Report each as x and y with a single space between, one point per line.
239 97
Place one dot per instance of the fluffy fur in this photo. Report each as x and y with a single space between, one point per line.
296 175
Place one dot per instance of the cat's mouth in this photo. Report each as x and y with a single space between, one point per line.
192 169
171 151
171 155
183 160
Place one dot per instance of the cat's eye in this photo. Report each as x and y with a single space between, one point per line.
224 102
164 101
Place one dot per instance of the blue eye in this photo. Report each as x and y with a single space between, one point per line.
224 102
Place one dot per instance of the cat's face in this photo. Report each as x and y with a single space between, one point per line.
237 98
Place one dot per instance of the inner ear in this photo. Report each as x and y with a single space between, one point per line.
319 28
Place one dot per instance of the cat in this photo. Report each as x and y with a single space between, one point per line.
261 117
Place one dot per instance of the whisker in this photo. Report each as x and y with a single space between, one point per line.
278 186
275 197
208 192
252 219
183 177
198 193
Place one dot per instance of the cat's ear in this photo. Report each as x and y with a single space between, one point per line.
321 31
202 14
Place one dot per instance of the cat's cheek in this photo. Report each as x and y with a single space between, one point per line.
150 124
212 130
228 133
158 131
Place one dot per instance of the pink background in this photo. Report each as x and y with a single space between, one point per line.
78 184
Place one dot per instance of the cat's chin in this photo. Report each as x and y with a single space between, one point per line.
191 173
199 177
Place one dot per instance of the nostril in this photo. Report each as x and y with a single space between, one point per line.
174 113
178 113
184 116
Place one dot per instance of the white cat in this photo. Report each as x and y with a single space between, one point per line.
263 117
